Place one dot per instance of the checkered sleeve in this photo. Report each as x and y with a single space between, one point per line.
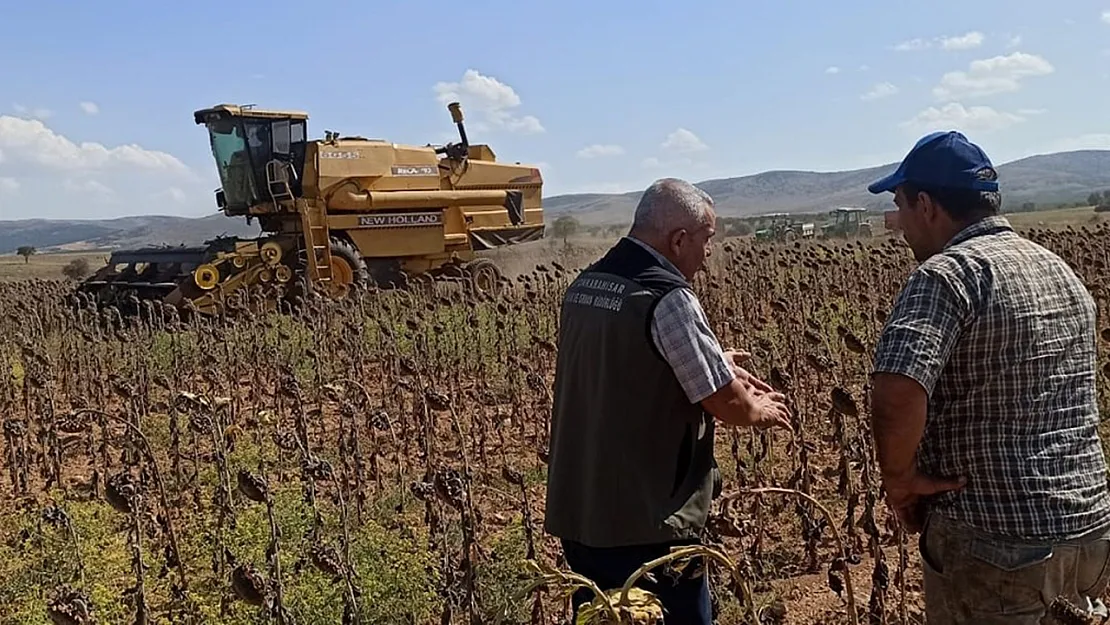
922 329
682 334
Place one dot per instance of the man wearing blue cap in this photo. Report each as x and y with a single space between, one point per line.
984 402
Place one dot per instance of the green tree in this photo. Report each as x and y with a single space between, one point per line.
26 251
564 227
1094 199
76 269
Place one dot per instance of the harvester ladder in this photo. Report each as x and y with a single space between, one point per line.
314 222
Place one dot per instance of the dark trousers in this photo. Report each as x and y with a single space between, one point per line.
685 600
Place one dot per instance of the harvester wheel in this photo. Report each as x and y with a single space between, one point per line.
270 252
347 268
206 276
484 275
283 273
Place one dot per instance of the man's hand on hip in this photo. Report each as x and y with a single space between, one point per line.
904 492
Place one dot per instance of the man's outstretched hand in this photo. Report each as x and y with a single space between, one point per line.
754 385
769 410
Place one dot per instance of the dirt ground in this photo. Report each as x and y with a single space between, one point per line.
47 266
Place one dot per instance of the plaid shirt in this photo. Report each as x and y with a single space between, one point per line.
681 331
1001 333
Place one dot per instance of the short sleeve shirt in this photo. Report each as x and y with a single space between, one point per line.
1000 332
682 334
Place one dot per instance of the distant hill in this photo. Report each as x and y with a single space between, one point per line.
58 235
1049 178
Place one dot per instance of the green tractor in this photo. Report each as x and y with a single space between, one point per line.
847 222
782 227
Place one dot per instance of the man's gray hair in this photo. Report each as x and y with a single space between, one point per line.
671 203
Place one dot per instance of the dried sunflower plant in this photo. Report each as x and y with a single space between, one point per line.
382 459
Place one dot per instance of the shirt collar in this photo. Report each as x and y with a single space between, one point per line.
987 225
654 252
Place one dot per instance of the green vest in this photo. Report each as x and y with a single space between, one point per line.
630 459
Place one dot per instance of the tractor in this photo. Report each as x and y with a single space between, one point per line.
847 222
782 227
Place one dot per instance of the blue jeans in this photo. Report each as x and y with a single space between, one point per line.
975 577
685 600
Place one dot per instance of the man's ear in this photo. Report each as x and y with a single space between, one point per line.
678 237
929 208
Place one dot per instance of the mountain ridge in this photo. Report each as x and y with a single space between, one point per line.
1053 178
1043 178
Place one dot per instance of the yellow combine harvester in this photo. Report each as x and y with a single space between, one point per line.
333 213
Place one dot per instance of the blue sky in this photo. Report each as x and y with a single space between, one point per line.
96 98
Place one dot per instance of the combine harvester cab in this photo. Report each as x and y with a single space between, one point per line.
336 213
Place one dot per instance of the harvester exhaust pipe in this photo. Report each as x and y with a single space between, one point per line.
457 117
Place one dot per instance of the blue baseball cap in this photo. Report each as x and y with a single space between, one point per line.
942 159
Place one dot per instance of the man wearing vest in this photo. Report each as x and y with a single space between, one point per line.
639 379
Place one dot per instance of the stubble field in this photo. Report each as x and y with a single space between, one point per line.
382 460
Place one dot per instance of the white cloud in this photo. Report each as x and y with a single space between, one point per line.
598 150
9 185
955 116
913 45
966 41
90 107
88 188
84 179
832 70
651 162
881 90
31 141
1106 16
172 194
492 99
973 39
1014 42
37 113
999 74
683 140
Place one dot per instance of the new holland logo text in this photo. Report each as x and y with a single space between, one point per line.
400 220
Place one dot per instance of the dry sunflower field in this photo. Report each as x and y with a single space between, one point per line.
382 459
